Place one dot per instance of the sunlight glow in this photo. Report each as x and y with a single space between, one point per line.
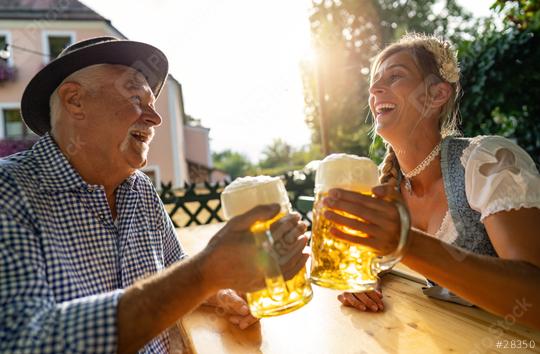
238 63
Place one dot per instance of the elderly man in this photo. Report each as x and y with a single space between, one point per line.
89 259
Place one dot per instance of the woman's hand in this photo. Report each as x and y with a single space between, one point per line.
364 301
235 307
377 217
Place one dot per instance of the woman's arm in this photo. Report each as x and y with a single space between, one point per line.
502 286
506 285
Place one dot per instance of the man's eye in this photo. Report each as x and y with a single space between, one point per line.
136 99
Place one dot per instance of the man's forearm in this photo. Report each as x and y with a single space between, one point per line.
495 284
152 305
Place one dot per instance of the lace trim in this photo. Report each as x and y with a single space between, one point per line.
507 204
447 231
444 224
468 151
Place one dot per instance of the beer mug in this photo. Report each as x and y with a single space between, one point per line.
279 296
335 263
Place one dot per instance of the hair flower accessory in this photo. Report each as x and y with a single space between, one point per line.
444 53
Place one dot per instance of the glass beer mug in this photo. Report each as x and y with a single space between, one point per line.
279 296
338 264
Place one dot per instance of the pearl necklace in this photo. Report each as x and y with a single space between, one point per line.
421 167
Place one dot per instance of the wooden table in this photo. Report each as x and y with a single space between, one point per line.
410 323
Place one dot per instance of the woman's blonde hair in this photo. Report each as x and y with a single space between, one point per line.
437 62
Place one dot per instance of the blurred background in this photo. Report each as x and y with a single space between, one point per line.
262 87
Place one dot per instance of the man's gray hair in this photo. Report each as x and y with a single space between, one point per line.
89 77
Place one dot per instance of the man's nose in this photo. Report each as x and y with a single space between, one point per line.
152 117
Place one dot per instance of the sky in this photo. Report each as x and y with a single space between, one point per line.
237 61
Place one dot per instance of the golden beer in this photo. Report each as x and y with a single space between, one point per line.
338 264
279 296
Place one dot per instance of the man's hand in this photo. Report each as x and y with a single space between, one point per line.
233 261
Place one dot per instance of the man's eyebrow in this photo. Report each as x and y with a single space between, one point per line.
147 92
134 84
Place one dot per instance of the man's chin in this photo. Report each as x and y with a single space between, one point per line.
137 163
142 164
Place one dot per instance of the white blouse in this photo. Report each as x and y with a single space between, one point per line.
499 176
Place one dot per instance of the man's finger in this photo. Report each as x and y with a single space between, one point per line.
259 213
292 235
286 254
289 235
283 225
290 270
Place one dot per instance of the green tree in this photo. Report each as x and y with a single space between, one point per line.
234 163
347 34
277 154
280 157
522 14
501 78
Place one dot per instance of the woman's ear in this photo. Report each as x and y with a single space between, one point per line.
440 94
70 94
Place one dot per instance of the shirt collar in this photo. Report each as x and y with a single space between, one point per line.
57 174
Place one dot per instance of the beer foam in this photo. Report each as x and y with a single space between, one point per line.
245 193
346 171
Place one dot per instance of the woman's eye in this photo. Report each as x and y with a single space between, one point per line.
394 77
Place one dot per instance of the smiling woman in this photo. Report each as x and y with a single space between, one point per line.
473 202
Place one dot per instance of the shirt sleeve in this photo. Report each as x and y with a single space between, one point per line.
31 319
499 176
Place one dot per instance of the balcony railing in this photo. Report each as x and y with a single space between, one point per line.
7 72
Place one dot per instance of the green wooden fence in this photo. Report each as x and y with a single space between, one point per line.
201 204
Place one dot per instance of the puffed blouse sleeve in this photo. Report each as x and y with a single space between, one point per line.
499 176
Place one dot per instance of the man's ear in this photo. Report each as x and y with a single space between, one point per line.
70 94
440 94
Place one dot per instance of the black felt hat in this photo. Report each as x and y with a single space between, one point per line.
148 60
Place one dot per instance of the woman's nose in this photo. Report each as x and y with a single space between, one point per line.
376 88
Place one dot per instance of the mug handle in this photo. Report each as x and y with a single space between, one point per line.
384 263
275 282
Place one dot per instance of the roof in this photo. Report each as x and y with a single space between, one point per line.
47 10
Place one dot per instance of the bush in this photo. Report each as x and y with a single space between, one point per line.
501 86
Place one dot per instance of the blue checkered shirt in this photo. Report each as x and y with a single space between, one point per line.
64 262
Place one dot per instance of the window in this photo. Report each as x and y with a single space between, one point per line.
3 42
152 175
14 126
57 45
152 171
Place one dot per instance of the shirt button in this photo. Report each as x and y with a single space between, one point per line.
90 190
